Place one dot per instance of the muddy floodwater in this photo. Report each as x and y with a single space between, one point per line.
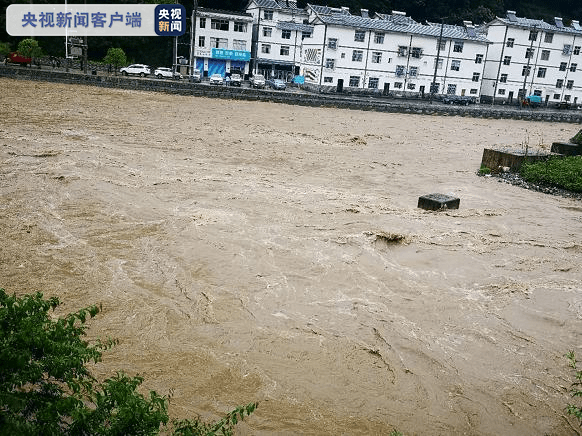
252 251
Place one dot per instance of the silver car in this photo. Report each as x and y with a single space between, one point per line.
136 69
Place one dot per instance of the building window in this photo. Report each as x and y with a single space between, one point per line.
416 52
441 46
577 50
332 43
330 64
284 50
570 84
239 26
563 66
413 71
402 50
473 91
266 48
567 49
357 55
398 85
202 23
376 57
218 43
217 24
286 34
559 83
239 44
400 70
306 34
567 97
438 64
533 35
267 31
556 96
455 65
507 60
479 59
201 41
510 42
549 38
503 78
359 36
538 92
476 77
343 56
525 70
501 91
458 47
328 79
434 87
354 81
529 53
268 15
545 55
379 38
541 72
411 86
451 89
573 67
373 83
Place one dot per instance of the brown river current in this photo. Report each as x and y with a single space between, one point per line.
243 251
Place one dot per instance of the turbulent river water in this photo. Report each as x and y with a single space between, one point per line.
251 251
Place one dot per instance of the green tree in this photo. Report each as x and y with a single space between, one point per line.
29 48
4 49
115 57
45 387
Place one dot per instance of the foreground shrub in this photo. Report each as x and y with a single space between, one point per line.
576 388
563 172
46 389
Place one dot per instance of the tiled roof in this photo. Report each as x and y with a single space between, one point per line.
221 12
528 23
326 10
396 18
290 25
449 32
276 4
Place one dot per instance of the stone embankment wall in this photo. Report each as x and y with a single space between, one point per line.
298 97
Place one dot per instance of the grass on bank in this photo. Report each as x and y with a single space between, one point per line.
561 172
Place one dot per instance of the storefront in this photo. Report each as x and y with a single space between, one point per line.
222 61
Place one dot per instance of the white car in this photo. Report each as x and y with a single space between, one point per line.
216 79
258 81
136 69
166 73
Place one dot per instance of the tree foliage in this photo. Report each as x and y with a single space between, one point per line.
29 48
46 388
116 57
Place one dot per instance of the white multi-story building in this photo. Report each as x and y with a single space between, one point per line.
393 53
278 32
222 41
532 57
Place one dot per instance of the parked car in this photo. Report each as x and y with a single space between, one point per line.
216 79
166 73
563 105
257 81
15 58
235 80
136 69
196 76
533 101
459 99
276 84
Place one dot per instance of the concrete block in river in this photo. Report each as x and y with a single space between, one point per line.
438 201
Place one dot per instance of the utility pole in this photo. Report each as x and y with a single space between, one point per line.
527 69
193 36
436 63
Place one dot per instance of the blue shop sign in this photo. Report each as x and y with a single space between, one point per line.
233 55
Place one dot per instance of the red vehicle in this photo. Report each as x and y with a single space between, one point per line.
17 59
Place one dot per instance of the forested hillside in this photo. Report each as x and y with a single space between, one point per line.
155 51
